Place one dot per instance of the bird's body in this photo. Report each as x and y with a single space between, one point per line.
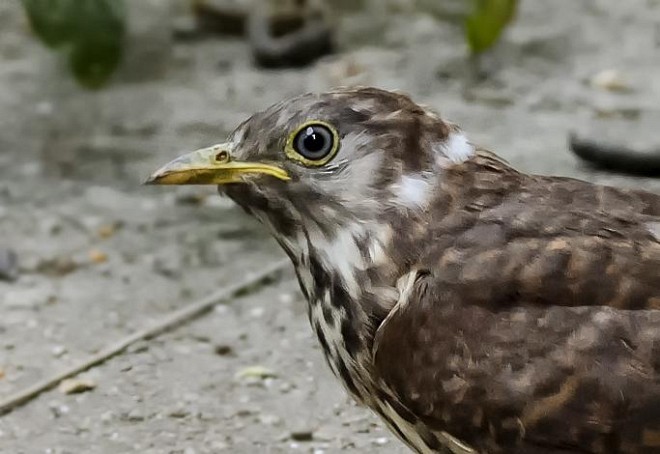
475 308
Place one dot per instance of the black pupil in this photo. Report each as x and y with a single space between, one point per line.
313 141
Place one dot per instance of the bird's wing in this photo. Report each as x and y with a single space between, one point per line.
536 329
523 379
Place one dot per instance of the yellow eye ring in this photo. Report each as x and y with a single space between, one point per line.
313 143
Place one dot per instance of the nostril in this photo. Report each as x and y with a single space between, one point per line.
222 156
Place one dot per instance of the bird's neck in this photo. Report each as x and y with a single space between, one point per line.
340 275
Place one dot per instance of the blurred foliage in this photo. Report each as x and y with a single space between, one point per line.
486 22
89 32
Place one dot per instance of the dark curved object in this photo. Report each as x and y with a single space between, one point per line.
298 47
614 157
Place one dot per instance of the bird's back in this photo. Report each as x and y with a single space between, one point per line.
533 325
546 240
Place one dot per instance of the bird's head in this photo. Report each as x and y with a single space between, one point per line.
324 160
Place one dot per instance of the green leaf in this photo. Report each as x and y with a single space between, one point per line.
93 62
90 31
487 21
53 21
98 42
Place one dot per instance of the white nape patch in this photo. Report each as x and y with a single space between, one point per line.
412 191
456 148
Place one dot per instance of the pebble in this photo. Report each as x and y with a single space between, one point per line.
8 264
97 256
257 312
224 350
380 441
610 80
76 385
179 412
135 415
57 267
106 231
256 372
58 409
302 434
58 350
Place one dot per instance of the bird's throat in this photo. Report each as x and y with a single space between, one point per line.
345 303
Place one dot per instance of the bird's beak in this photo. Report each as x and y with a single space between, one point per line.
212 165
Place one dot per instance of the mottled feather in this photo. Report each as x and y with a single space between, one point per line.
532 326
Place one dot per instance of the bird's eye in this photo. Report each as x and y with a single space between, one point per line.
313 143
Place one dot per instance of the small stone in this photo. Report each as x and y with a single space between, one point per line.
58 266
135 415
205 416
256 372
302 434
244 412
610 80
97 256
190 198
223 350
8 264
107 230
58 350
179 412
76 385
58 409
257 312
380 441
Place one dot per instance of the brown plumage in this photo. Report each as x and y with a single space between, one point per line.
475 308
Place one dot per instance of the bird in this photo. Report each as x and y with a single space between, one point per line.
474 307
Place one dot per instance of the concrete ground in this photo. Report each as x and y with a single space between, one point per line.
102 256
